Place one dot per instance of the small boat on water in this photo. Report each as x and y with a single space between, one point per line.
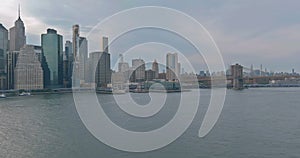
118 91
24 94
2 95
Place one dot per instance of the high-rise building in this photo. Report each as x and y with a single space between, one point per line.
52 45
251 71
75 41
155 69
3 52
80 53
99 68
237 76
12 57
83 55
139 69
261 70
122 66
150 75
28 71
17 35
68 50
76 77
104 44
173 67
17 40
68 64
178 69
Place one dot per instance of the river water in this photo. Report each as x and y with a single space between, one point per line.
262 123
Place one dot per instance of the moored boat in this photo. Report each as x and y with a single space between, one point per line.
24 94
2 95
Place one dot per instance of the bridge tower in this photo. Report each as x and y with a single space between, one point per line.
237 76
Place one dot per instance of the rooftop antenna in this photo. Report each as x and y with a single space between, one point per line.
19 11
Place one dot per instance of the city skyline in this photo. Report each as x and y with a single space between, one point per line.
246 38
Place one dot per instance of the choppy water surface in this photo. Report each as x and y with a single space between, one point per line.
254 123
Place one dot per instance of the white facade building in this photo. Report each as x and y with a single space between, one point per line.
28 71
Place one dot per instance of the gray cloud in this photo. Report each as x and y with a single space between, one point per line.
249 32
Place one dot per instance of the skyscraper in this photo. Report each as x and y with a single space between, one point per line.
69 64
122 66
28 71
12 57
83 55
80 51
104 44
99 65
173 67
150 75
3 52
65 70
139 69
17 40
155 68
52 44
75 41
100 68
17 35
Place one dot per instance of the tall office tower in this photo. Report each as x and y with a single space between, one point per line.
75 41
172 67
155 69
52 44
139 69
150 75
3 52
83 55
69 67
65 70
122 66
237 76
178 69
99 68
28 71
104 44
80 52
251 71
261 70
12 57
75 48
17 35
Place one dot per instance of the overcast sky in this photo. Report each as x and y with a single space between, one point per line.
246 31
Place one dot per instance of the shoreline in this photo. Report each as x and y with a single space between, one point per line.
16 93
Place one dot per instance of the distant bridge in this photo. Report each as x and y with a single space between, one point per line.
250 80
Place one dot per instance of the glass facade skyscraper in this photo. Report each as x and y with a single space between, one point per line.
100 68
52 46
68 64
83 57
3 52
